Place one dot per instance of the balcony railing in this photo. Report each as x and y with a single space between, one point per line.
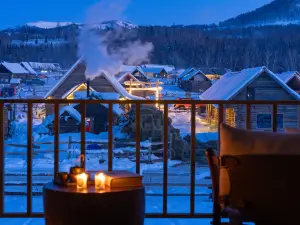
165 103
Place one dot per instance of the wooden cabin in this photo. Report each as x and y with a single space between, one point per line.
292 79
74 81
126 76
252 84
69 121
13 70
214 73
139 74
97 117
155 72
195 81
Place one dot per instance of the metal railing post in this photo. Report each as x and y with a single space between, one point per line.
193 159
29 159
138 136
165 159
110 137
83 130
2 160
56 138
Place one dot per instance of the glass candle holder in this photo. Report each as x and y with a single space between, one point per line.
99 181
81 181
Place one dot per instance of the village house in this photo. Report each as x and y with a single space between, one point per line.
27 67
73 85
13 70
168 68
195 81
125 76
139 88
139 74
69 120
184 73
214 73
252 84
42 68
136 71
74 80
155 72
291 79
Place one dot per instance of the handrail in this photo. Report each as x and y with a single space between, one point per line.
138 104
149 102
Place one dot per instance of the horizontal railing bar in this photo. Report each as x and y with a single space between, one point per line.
216 102
179 215
147 215
40 193
22 215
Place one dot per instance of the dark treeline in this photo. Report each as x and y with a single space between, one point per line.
276 47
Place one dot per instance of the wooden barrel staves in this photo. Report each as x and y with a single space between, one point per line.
67 206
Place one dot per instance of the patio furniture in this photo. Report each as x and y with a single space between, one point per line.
68 206
255 176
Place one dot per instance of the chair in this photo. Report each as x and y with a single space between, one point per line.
254 178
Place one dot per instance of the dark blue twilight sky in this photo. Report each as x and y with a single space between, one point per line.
141 12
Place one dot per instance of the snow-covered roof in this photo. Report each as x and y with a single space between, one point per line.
27 66
103 96
121 76
140 70
168 68
63 78
187 71
112 80
70 109
120 88
14 68
287 76
15 80
153 70
192 74
215 71
232 83
44 66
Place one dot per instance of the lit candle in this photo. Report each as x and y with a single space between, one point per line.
99 181
81 181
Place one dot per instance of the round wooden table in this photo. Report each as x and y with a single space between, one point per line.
68 206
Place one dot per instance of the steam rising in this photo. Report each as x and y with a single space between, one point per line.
94 47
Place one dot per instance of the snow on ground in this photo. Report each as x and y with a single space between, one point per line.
172 92
182 121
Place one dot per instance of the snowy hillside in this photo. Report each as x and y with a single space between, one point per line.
278 12
52 25
48 25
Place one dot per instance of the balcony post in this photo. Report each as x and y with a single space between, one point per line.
138 136
2 160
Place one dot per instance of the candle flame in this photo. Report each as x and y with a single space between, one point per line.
100 176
